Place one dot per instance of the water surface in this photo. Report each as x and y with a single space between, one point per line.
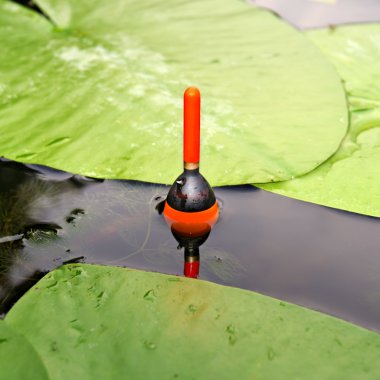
311 255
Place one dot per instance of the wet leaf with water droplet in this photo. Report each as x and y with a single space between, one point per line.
252 334
150 345
113 72
150 295
350 179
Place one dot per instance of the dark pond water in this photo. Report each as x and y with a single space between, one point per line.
311 255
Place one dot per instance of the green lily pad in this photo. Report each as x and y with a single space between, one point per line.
101 94
93 322
18 359
350 179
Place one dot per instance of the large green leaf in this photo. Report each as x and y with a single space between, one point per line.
350 179
18 359
92 322
102 94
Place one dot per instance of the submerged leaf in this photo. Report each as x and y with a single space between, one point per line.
108 325
350 179
18 359
102 94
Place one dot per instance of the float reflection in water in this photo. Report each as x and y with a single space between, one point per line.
191 240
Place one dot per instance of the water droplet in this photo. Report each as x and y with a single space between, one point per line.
24 156
59 140
100 298
53 346
270 353
150 345
52 285
338 342
150 295
232 339
174 279
192 308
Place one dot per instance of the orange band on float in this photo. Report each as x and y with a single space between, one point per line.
192 217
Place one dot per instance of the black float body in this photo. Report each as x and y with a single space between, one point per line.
191 192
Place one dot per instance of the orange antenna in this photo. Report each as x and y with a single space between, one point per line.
191 127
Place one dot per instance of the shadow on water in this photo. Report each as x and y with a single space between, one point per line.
303 253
